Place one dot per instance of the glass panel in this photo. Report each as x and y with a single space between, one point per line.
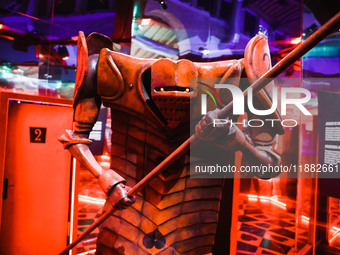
333 224
38 55
267 216
39 43
197 30
313 213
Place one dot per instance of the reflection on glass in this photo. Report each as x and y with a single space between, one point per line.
313 212
38 42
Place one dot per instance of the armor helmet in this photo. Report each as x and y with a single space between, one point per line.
170 89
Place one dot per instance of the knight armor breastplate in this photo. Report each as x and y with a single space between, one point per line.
168 216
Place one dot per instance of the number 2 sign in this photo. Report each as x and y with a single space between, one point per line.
37 135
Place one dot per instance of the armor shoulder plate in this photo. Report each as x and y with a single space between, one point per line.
87 47
82 66
96 42
257 62
257 57
111 83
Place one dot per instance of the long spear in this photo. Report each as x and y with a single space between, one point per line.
294 55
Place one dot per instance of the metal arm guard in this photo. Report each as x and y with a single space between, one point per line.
106 179
70 138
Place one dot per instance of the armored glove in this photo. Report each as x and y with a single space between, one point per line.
221 132
111 183
114 186
119 198
211 127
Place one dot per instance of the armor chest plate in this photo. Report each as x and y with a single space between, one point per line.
175 214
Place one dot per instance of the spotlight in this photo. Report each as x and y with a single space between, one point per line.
296 40
163 4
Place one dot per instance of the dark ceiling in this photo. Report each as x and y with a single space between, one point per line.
282 15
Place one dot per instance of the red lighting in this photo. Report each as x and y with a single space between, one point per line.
87 252
105 165
65 58
272 199
41 55
8 37
335 235
305 219
145 22
1 26
105 157
91 200
296 40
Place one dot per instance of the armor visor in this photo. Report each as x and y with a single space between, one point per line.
170 89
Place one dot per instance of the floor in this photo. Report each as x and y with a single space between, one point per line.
265 226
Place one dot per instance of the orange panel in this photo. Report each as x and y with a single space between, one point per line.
35 213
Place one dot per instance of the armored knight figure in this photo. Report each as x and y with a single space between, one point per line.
149 101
